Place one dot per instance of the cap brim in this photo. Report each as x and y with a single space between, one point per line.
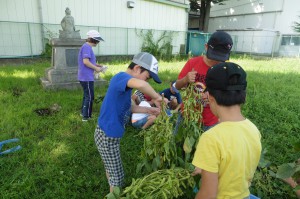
174 88
154 77
217 55
98 38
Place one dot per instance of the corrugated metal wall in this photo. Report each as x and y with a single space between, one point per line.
260 26
276 15
40 19
25 39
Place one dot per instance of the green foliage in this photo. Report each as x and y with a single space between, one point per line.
264 182
190 128
286 170
195 4
161 47
203 8
115 194
297 146
159 151
167 183
59 158
161 145
290 170
160 148
48 47
296 26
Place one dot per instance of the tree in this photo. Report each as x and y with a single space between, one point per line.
296 26
204 7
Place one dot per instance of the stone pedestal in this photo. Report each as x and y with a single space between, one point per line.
69 35
64 65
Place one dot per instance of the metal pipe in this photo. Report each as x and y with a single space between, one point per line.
41 22
29 36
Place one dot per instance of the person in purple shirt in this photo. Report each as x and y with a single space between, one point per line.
86 67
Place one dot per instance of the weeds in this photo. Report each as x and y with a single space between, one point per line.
59 159
161 47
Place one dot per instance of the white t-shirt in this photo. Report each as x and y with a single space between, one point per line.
138 116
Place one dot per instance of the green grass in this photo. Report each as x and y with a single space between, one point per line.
59 159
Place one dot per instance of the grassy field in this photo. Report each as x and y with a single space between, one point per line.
59 159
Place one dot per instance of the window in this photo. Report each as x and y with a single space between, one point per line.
290 40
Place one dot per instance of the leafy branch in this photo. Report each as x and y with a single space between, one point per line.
296 26
161 47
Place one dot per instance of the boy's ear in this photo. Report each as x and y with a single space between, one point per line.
136 68
210 98
206 46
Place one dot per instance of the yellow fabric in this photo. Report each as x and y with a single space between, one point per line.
231 149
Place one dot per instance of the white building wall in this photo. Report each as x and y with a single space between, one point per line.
290 14
277 15
115 21
19 10
106 13
258 25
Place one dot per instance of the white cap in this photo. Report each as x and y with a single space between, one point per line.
174 87
95 35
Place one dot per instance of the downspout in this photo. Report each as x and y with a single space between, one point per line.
275 16
274 26
187 18
282 5
187 31
41 22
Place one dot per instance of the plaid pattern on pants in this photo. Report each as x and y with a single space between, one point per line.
109 149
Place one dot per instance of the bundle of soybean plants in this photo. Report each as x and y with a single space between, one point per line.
161 184
189 128
167 174
159 150
165 148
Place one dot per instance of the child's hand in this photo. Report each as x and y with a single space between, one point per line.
197 171
158 101
153 111
103 69
291 182
191 76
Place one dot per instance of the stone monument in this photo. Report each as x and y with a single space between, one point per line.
64 61
68 27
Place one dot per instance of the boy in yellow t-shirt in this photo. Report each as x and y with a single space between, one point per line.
227 155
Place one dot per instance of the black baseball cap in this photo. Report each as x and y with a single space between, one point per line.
218 77
219 46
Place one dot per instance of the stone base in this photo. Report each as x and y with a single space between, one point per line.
64 66
68 85
61 75
69 35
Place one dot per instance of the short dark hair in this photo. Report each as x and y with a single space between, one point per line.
229 97
91 40
132 65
